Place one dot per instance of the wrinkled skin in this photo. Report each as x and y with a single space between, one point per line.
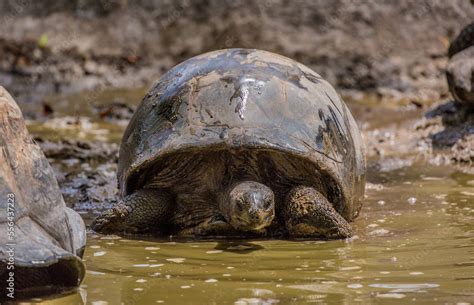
250 206
232 117
49 237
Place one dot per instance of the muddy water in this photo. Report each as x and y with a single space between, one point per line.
82 116
414 244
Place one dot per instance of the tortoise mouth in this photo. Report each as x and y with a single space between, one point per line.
251 221
249 225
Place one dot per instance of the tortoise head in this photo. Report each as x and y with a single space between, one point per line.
250 206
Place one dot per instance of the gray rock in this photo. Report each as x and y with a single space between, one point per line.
460 76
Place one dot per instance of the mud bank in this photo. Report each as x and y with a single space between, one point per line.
394 50
443 135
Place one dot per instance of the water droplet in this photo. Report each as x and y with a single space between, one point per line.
211 281
411 200
100 253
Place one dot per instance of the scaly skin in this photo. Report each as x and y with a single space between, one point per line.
308 213
144 211
249 207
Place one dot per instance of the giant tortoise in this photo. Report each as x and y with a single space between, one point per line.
42 240
239 142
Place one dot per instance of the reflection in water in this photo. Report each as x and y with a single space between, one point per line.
425 258
242 247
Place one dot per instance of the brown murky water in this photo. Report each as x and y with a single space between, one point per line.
414 244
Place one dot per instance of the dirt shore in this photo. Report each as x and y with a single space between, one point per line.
393 49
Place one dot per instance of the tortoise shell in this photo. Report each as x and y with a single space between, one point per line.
239 99
47 236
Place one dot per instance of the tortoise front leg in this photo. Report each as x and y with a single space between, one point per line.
308 213
145 211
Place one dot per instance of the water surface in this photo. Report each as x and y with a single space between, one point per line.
414 244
